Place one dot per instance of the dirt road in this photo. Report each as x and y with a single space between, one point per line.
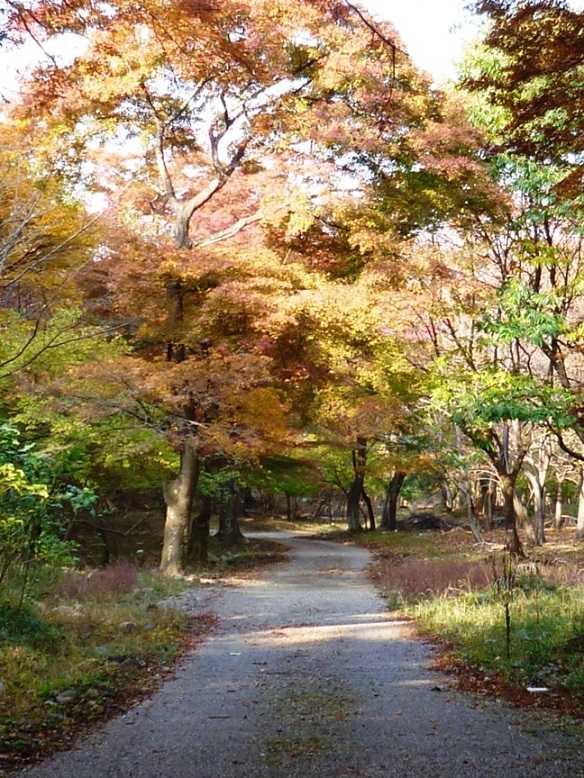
308 675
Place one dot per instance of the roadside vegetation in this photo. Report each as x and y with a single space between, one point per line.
457 592
80 648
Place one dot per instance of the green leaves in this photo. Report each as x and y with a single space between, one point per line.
523 315
34 494
477 401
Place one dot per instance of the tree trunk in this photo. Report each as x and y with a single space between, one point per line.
580 524
356 490
488 498
559 506
470 513
353 503
537 482
370 511
508 490
539 513
199 542
178 495
181 229
229 530
389 516
447 498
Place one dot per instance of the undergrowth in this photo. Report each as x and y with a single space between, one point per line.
77 645
547 631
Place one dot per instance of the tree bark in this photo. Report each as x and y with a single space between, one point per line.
370 511
356 490
389 516
470 513
447 498
199 540
508 490
230 533
178 495
487 497
539 513
580 520
536 469
559 506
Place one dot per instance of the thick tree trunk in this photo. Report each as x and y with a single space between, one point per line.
559 506
229 530
353 505
181 231
389 516
178 495
508 490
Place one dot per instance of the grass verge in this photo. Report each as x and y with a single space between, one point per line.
445 583
547 634
81 650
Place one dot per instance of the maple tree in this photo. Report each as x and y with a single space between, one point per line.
286 185
534 74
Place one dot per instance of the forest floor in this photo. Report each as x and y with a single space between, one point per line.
308 674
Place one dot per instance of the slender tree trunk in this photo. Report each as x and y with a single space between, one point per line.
536 478
447 499
179 494
356 491
580 524
322 503
559 506
370 511
229 530
389 516
508 490
199 542
488 505
470 513
539 513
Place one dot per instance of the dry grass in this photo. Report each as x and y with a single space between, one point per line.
414 579
75 651
112 581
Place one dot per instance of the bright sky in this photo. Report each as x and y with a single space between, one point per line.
434 32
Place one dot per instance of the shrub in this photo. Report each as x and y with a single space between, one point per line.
419 578
21 625
115 579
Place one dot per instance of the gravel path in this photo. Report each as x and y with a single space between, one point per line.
308 676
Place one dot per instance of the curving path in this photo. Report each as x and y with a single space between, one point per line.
307 675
